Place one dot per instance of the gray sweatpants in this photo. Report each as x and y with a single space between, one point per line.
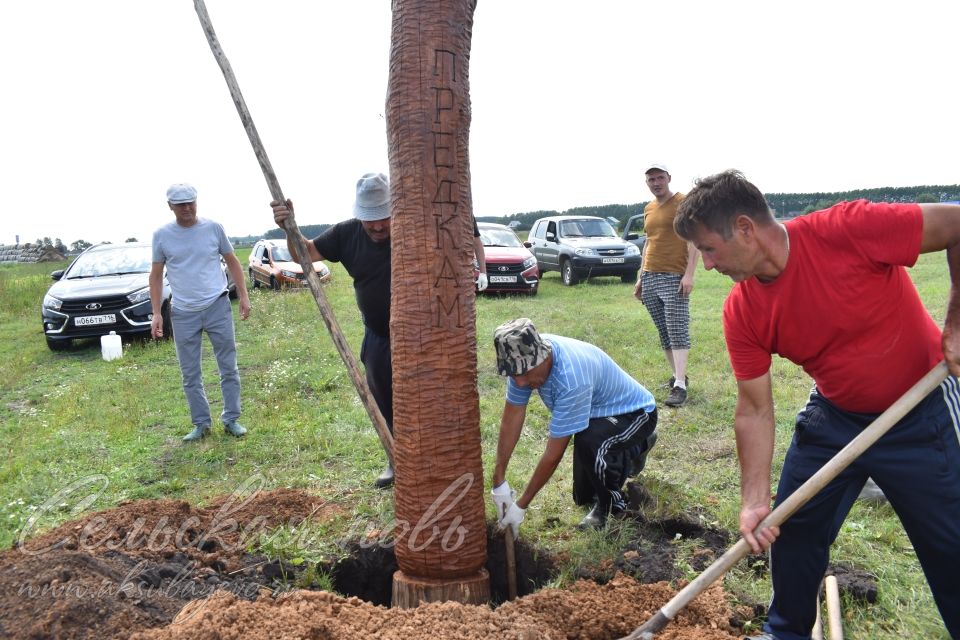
188 328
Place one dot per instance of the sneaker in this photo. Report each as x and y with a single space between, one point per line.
199 433
673 380
386 477
676 398
234 429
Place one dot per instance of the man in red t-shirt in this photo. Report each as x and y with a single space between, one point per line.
830 292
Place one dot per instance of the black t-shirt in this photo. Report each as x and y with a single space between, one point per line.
368 263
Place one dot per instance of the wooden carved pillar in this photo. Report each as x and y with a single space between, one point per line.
441 536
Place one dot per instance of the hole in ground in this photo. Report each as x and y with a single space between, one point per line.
367 571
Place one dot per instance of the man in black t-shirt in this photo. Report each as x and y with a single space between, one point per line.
362 245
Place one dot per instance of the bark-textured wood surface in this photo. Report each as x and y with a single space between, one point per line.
439 487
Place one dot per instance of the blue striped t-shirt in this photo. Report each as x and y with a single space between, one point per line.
584 383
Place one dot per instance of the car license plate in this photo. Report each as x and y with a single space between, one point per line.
612 260
503 278
83 321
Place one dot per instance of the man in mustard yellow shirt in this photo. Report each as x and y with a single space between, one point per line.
666 279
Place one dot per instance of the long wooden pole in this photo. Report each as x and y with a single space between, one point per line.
797 499
293 231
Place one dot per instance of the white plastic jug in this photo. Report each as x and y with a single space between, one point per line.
111 347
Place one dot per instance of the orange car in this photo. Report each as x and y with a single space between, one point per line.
272 265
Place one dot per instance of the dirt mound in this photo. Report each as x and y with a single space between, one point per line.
586 611
130 570
159 528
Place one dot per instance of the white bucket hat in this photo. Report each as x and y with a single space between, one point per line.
373 198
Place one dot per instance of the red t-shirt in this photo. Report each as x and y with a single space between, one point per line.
844 307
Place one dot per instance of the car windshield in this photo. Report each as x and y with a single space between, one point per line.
280 254
115 261
499 238
586 228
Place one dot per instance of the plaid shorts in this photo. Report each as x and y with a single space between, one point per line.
669 309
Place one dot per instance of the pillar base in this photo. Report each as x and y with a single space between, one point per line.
411 591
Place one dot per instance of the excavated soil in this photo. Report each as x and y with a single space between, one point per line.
166 569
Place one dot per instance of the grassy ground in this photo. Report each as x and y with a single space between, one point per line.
114 428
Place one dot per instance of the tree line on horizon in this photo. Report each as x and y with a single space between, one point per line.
784 205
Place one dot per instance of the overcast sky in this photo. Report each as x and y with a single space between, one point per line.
107 102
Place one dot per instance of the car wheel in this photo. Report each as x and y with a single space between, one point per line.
253 280
629 278
59 345
567 275
274 284
167 321
533 292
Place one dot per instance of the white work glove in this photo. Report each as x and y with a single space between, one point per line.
482 282
502 497
513 518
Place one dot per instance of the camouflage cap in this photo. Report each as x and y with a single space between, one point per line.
519 347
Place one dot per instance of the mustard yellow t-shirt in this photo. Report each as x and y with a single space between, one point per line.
665 251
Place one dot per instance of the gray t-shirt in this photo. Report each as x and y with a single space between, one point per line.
192 256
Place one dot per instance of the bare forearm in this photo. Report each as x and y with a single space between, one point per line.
156 292
544 471
754 427
480 254
951 325
692 256
236 272
755 451
511 424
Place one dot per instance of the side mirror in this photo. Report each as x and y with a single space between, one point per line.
527 244
56 275
551 236
633 236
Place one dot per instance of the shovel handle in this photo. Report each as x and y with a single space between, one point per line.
835 623
797 499
509 541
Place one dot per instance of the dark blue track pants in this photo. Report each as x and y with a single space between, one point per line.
916 464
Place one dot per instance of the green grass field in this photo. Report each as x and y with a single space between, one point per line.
65 417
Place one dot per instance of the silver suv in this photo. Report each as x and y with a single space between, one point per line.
582 247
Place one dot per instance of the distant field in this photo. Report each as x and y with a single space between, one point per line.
64 416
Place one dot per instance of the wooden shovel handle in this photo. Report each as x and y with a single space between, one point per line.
509 542
834 620
797 499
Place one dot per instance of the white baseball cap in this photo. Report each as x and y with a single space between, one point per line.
656 166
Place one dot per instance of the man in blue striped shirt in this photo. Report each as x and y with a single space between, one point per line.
610 416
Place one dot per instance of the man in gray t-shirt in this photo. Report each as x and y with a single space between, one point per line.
190 249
